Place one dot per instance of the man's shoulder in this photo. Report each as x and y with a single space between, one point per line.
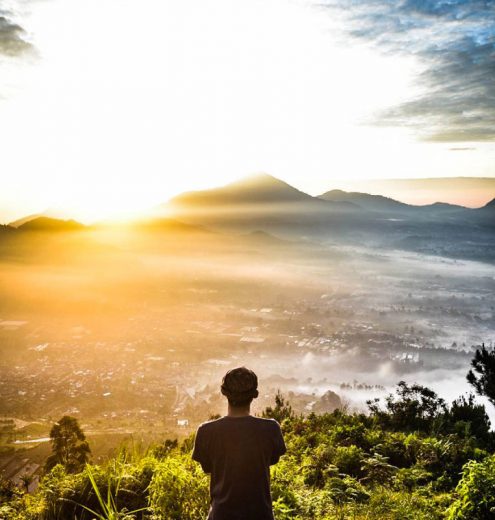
228 422
268 422
208 425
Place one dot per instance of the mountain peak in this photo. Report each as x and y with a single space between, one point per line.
259 188
50 224
260 180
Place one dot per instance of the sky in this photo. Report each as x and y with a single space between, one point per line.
108 107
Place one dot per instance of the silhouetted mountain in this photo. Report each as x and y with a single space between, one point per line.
262 202
379 203
262 211
484 216
24 220
51 224
255 189
427 190
441 207
364 200
490 206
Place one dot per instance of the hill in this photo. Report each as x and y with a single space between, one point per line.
50 225
254 189
379 203
490 206
365 200
24 220
472 192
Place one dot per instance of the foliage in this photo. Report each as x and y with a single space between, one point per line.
475 492
414 408
469 419
281 411
69 445
179 489
108 505
483 365
338 466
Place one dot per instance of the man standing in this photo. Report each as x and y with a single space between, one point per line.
238 450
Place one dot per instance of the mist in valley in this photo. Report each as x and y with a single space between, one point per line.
130 328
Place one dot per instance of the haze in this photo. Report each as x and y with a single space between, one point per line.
110 108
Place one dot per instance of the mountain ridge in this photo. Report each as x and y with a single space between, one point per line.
259 188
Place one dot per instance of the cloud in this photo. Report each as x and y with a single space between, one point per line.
455 40
13 40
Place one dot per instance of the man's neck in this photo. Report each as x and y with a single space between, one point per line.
238 411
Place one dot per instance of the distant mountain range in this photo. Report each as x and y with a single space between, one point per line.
466 191
268 204
264 192
270 208
387 204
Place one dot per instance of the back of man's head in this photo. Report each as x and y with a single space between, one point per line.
240 386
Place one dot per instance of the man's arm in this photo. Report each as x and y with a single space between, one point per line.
200 451
278 444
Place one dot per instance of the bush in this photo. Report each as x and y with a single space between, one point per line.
475 492
349 460
179 489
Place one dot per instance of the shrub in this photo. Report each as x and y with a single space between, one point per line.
349 460
179 489
475 492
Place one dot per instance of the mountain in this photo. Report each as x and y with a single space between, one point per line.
365 200
50 224
268 205
379 203
466 191
490 206
24 220
441 205
265 203
254 189
485 216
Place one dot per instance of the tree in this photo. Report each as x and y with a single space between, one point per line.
26 481
282 409
69 446
483 364
413 408
469 418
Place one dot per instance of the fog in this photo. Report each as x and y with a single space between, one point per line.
130 328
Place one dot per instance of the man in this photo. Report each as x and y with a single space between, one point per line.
237 450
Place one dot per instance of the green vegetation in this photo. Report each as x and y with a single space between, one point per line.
482 377
412 457
69 446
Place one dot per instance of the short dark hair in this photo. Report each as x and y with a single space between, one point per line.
240 386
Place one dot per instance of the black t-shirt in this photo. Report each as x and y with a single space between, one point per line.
238 452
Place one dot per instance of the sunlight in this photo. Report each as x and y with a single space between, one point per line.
125 109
